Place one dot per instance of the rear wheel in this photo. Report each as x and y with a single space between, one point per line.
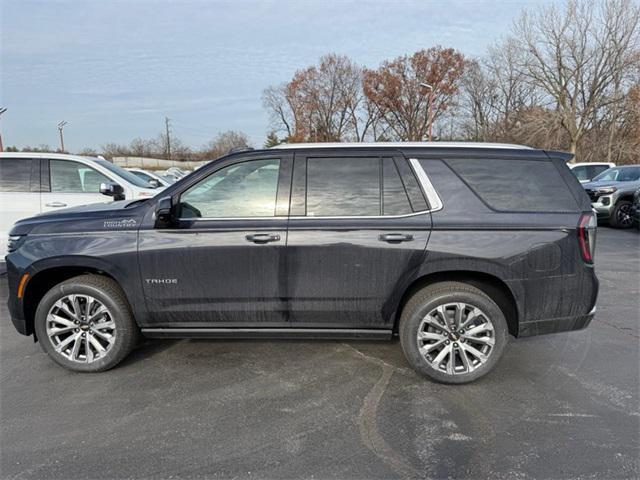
85 324
452 332
621 215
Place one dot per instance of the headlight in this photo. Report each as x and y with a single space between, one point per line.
606 190
14 242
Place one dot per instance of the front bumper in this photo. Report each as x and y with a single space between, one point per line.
15 304
555 325
603 207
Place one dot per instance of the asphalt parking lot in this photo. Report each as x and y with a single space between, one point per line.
560 406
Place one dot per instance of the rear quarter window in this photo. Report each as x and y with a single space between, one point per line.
15 174
516 185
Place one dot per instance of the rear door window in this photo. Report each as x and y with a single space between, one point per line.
15 174
516 185
394 196
346 187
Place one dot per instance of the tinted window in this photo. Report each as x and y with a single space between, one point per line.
245 189
582 172
598 169
516 185
343 187
74 177
15 174
394 197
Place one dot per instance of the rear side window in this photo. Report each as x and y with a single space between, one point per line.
394 197
343 186
516 185
15 174
355 187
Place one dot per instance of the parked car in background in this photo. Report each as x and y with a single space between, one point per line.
586 171
153 179
635 208
32 183
452 247
611 194
176 173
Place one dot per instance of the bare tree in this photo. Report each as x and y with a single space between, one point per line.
576 56
323 103
223 143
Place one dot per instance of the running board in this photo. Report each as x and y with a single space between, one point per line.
307 333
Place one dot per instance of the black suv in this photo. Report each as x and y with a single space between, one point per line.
451 247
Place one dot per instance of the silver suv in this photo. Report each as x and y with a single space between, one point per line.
611 194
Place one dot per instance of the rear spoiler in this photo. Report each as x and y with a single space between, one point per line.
565 156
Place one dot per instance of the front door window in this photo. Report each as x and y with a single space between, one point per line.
246 189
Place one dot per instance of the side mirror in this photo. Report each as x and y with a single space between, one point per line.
164 213
112 190
154 183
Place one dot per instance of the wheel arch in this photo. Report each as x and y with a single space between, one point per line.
491 285
45 275
625 197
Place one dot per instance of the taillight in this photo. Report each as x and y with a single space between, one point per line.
587 236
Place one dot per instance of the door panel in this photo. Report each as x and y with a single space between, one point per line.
343 274
213 270
210 273
19 193
347 262
71 184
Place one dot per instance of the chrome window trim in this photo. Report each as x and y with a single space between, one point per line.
306 217
435 203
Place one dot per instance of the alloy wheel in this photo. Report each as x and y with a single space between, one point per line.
456 338
81 328
624 215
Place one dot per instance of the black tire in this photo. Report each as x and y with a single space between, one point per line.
621 215
111 296
425 301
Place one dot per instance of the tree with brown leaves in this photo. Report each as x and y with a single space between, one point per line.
395 89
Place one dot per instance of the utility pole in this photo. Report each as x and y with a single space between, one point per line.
60 128
2 110
168 130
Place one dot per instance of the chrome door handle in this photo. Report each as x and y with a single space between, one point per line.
395 237
263 238
56 204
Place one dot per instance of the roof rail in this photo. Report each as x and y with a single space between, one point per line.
403 145
239 149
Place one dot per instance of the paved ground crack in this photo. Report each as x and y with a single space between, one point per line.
368 420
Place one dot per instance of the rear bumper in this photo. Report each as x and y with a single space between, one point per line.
556 325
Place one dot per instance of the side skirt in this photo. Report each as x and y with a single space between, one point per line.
307 333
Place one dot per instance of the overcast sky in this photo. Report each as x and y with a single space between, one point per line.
114 69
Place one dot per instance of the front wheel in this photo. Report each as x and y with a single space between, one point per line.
85 324
452 332
621 215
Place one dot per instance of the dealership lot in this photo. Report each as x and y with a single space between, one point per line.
565 405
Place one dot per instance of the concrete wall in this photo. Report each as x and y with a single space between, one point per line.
155 163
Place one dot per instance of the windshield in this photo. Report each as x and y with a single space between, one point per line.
122 173
629 174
